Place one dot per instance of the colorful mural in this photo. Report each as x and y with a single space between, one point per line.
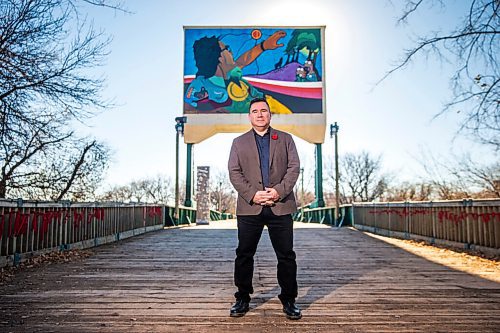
225 68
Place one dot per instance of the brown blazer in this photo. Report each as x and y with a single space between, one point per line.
245 175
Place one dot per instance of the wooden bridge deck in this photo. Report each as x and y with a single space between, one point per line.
180 280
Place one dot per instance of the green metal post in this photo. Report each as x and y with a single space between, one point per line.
334 129
319 202
302 201
176 208
179 130
189 176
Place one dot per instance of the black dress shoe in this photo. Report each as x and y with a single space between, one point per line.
239 308
291 311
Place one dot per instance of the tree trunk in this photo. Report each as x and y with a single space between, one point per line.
75 170
3 188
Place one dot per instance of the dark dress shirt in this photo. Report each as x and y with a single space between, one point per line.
263 148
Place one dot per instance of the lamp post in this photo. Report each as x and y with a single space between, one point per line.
302 187
179 130
232 208
189 175
220 197
334 129
318 179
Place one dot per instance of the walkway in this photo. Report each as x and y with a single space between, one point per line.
180 280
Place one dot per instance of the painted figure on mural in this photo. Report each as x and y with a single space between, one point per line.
306 73
311 72
219 81
263 168
301 74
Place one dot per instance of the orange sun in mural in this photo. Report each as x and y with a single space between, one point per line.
256 34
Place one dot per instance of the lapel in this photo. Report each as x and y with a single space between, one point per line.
272 145
251 146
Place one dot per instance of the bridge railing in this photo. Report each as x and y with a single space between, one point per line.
31 227
464 223
219 216
187 215
324 215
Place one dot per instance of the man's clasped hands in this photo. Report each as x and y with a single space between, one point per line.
267 197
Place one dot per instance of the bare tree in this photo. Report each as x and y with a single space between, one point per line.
152 190
222 194
305 186
474 45
117 194
459 177
407 191
160 189
361 178
439 173
40 63
45 51
484 180
45 162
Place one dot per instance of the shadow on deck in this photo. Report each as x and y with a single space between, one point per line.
180 280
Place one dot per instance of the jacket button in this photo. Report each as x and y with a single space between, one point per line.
260 182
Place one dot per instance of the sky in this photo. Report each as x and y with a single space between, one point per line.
394 119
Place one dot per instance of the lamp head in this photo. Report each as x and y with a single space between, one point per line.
334 129
179 124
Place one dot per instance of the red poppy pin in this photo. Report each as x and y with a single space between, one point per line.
274 136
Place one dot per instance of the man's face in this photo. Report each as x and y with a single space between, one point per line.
260 116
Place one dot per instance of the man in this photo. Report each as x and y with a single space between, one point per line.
263 168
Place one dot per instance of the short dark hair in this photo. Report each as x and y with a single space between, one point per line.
257 100
206 55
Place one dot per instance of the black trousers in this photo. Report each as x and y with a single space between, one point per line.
281 233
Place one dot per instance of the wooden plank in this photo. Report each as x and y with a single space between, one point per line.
180 280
